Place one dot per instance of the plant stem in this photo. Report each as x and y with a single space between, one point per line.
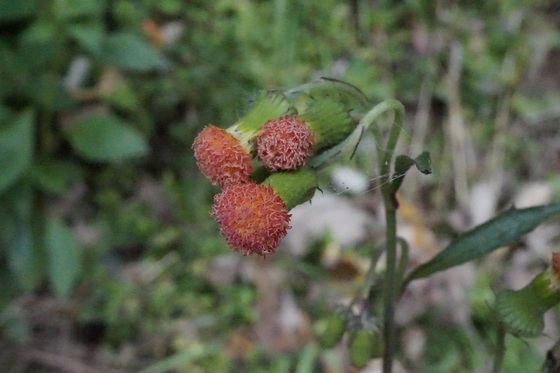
385 157
500 349
403 263
385 153
390 284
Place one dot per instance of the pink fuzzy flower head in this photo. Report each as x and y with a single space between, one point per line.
220 157
285 143
252 218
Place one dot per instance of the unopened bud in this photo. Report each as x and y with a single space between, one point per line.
336 326
364 346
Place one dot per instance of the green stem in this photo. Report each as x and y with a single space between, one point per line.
350 144
390 285
403 262
385 157
370 277
500 348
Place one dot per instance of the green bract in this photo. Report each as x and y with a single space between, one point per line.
330 121
522 311
293 187
268 105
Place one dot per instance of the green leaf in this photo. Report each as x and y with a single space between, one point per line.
124 97
14 10
424 163
402 164
105 138
64 257
53 176
24 257
485 238
46 91
16 149
131 52
89 37
39 32
66 9
22 254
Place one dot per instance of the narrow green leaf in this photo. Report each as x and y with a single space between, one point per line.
64 257
131 52
485 238
16 149
105 138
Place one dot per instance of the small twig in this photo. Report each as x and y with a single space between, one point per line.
423 114
59 362
457 133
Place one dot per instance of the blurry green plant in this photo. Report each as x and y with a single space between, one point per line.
520 312
42 43
155 109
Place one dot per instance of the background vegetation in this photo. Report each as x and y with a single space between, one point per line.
109 260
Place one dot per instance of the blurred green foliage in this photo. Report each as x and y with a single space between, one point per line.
75 154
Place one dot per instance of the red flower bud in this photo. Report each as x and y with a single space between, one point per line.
220 157
252 218
285 143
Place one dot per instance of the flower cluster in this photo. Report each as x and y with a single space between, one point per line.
276 138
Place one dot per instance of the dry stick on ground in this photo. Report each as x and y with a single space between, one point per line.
58 362
457 134
423 114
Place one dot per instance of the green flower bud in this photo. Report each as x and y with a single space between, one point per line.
329 121
336 326
364 346
352 97
522 311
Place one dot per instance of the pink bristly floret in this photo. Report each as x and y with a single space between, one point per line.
220 157
252 218
285 143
